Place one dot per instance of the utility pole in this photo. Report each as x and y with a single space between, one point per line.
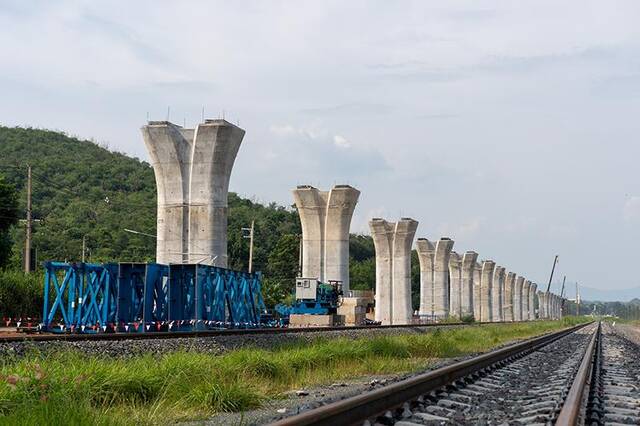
555 261
27 243
250 236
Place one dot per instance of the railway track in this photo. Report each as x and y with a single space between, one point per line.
583 375
49 337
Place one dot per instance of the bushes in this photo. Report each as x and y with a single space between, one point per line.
20 294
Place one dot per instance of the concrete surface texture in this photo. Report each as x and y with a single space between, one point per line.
441 277
517 299
509 292
526 291
382 233
468 265
215 147
426 254
192 169
402 312
486 288
455 284
477 273
532 300
325 217
393 243
497 293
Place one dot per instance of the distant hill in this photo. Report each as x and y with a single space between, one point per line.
83 189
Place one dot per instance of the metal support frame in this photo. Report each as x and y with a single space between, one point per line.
139 297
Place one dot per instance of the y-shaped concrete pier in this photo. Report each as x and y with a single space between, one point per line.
468 265
325 217
455 284
477 274
527 315
517 299
486 288
497 293
426 255
192 169
509 292
532 300
393 243
441 277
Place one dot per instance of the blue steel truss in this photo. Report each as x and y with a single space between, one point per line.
139 297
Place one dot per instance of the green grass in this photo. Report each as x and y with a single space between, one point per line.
70 388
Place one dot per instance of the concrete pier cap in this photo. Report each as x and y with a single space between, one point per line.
393 242
426 255
192 168
325 217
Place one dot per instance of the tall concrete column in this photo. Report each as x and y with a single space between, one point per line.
455 284
402 313
382 233
426 254
169 148
517 299
509 293
477 273
441 277
325 217
341 203
393 242
497 294
532 300
486 288
216 144
526 290
468 265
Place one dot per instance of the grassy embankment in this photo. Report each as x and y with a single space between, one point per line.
70 388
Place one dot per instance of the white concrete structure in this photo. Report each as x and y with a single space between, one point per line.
532 300
393 243
455 284
326 218
426 255
441 277
468 265
477 273
497 294
509 293
486 287
192 169
527 315
517 299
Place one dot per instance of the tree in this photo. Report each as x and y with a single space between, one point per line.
8 218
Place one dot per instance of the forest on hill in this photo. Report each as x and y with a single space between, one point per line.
83 190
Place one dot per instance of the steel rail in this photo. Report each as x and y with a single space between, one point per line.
571 409
362 407
222 332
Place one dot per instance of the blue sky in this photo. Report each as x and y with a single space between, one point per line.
510 127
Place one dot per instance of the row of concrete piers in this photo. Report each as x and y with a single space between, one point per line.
193 169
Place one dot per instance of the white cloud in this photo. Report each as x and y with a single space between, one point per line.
341 142
631 209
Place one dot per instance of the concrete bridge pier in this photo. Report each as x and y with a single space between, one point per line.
497 293
392 243
455 284
468 264
486 289
526 293
477 274
532 299
509 293
517 298
441 277
426 255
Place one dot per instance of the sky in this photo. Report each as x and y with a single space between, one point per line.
510 127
